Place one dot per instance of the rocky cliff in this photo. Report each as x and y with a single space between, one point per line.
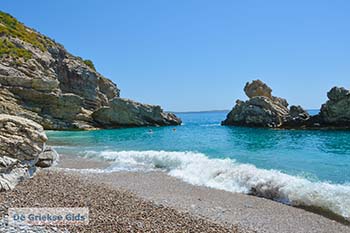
265 110
41 81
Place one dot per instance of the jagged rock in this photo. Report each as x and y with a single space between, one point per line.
298 112
124 112
337 93
297 117
261 110
21 143
336 111
47 158
45 83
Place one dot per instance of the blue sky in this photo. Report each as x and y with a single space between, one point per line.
190 55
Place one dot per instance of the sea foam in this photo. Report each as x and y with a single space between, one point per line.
229 175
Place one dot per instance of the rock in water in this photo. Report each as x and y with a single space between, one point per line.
297 117
124 112
336 111
264 110
21 143
41 81
261 110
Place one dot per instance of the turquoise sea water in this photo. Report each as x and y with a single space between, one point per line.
309 167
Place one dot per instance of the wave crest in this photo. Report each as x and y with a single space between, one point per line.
227 174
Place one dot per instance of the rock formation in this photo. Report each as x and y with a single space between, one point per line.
264 110
125 112
41 81
336 111
22 142
42 86
47 157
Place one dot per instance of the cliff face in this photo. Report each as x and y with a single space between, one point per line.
41 81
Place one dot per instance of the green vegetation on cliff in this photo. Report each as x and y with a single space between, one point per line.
90 64
7 48
11 28
13 34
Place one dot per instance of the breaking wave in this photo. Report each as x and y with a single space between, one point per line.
229 175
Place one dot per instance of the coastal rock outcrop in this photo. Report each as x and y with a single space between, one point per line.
261 110
125 112
297 118
22 141
264 110
336 111
41 81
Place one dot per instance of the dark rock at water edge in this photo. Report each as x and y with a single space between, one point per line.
264 110
336 111
125 112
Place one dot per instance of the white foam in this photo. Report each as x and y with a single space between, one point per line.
211 125
227 174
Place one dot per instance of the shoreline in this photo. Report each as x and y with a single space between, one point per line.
72 183
110 209
249 212
227 208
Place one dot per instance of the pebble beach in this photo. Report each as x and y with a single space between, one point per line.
153 202
111 210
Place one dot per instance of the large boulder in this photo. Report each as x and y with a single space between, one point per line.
47 158
124 113
257 88
21 138
22 141
336 111
261 110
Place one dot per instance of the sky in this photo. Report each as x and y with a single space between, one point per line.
196 55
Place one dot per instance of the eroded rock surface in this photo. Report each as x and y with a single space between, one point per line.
47 158
125 112
336 111
264 110
21 143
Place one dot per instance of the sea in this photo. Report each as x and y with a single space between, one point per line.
295 167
